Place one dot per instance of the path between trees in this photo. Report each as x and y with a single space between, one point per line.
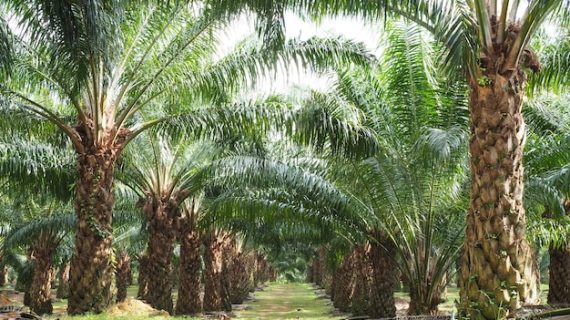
288 301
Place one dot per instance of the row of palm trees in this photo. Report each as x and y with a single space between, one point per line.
102 74
386 148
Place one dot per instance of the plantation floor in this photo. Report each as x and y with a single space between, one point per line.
288 301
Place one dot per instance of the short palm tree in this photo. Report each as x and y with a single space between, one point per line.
487 43
41 234
163 178
89 68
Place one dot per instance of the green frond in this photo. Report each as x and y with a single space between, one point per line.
555 61
243 118
29 163
57 224
251 62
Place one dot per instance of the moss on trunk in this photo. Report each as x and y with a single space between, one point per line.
91 270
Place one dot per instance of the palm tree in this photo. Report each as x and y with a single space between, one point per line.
89 68
189 301
547 193
162 184
43 236
486 41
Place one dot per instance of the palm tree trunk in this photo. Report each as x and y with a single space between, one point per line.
212 272
421 304
161 237
40 289
317 276
122 275
63 282
91 272
250 266
385 277
342 292
189 302
3 275
142 292
497 258
559 285
226 278
359 284
240 279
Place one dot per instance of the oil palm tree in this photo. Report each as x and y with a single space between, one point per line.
162 184
42 236
547 193
396 195
89 68
486 42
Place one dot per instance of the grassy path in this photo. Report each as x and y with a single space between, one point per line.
287 301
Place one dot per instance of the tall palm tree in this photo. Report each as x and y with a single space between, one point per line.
487 43
89 68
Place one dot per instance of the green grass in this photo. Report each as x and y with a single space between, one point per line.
277 301
283 300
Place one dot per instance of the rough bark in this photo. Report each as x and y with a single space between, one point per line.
343 278
263 270
3 275
326 277
91 272
40 289
142 292
212 272
240 279
63 282
384 277
559 285
122 275
359 290
497 258
250 266
317 276
160 215
226 276
189 301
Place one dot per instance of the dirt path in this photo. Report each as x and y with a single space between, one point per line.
288 301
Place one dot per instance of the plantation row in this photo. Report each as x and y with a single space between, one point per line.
142 131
